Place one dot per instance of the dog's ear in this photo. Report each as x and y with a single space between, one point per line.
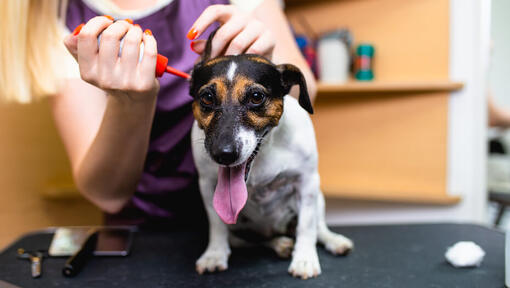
206 55
208 46
290 75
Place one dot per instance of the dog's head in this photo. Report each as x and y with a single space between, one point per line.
237 100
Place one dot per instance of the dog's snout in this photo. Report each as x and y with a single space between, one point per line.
226 154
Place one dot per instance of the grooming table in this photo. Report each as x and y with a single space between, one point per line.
384 256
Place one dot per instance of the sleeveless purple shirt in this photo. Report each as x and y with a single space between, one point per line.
168 189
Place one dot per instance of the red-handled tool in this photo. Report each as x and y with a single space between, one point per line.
162 67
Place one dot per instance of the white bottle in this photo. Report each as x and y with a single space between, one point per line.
334 57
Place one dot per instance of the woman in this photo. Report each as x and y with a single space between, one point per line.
126 132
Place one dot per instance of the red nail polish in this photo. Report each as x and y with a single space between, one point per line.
192 34
129 20
136 25
78 29
109 17
191 46
148 32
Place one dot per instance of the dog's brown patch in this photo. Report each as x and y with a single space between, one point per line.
215 61
204 118
241 83
259 60
269 116
221 88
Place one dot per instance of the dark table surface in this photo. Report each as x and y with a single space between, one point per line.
384 256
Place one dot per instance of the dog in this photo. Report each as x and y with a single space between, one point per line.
255 151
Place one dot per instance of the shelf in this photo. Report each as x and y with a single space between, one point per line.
297 3
412 198
389 87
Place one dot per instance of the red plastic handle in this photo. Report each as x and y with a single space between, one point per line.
161 64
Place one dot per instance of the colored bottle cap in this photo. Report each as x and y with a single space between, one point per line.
365 49
161 64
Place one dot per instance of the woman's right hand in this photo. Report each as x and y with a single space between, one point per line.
101 66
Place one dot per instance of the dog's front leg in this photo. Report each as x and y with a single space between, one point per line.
305 262
215 257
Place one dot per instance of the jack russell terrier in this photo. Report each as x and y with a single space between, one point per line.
257 162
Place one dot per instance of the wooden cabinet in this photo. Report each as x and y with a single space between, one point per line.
386 140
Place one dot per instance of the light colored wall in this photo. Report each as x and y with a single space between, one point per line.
36 189
469 57
499 72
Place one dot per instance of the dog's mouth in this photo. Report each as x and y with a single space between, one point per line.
231 193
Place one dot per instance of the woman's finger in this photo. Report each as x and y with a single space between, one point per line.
147 66
245 38
264 45
198 46
226 33
109 47
87 40
71 43
213 13
131 48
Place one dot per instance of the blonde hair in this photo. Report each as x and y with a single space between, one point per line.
30 41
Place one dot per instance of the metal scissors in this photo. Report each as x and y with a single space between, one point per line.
36 258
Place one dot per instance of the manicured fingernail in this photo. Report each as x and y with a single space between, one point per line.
78 29
137 25
129 20
192 34
109 17
148 32
191 46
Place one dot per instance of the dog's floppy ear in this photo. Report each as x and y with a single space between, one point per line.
291 75
206 55
208 46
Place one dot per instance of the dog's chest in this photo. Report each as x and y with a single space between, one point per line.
271 208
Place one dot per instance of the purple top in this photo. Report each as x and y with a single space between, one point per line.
168 188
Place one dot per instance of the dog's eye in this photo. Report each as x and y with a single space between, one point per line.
257 98
207 98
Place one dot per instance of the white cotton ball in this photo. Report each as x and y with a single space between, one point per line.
465 254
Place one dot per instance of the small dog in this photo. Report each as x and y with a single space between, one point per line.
257 162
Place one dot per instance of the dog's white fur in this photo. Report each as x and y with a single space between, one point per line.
289 147
231 71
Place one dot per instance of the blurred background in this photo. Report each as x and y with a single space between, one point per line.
401 119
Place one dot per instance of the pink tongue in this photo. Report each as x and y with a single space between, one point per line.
231 194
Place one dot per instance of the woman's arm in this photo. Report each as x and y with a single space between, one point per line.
106 130
264 31
498 117
286 49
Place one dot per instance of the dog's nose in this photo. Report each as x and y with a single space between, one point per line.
226 155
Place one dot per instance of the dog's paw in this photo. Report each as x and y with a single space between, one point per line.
283 246
213 259
305 264
338 244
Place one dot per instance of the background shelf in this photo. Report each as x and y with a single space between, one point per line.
394 197
389 87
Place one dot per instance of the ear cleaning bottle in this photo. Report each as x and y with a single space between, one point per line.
161 62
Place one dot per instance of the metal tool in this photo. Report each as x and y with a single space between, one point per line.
36 259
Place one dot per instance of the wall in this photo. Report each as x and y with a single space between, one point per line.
468 56
36 188
499 71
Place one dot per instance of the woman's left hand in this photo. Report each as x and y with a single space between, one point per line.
239 33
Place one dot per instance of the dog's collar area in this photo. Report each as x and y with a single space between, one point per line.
253 154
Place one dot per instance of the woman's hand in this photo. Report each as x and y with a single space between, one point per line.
101 66
240 33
